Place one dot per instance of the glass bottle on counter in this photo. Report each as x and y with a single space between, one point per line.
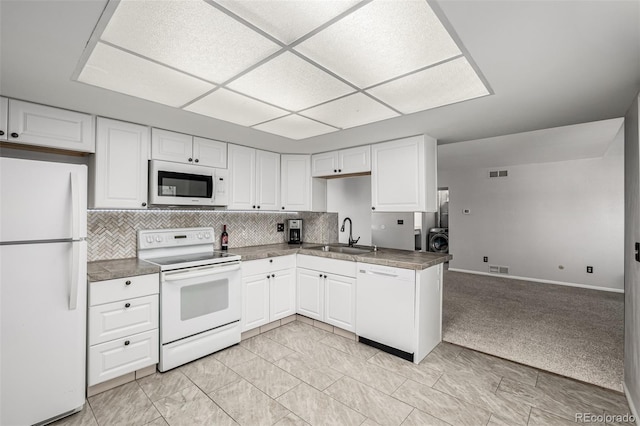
224 238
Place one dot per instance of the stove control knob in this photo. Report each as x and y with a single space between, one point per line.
207 235
199 236
149 239
159 239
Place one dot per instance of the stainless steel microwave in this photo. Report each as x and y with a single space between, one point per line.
178 184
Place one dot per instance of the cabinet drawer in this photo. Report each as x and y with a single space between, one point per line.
122 356
262 266
123 288
326 265
123 318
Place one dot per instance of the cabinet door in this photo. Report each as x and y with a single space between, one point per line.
354 160
325 164
242 177
171 146
296 182
4 113
282 294
33 124
398 175
210 153
267 180
255 301
310 294
119 172
340 302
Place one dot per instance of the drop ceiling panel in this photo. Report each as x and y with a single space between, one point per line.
287 20
229 106
191 36
113 69
295 127
291 83
444 84
380 41
350 111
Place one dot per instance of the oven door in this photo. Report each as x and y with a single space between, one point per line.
198 299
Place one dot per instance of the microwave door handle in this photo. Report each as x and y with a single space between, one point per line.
176 276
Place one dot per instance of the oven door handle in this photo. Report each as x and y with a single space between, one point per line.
200 272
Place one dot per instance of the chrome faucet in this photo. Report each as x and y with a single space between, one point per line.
351 240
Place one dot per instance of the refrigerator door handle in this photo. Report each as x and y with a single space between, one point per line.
75 276
75 207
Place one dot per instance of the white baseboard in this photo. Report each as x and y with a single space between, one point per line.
537 280
632 407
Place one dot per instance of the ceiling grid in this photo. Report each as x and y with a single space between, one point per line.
297 69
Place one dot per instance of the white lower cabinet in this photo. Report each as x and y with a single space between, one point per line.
268 290
326 291
123 327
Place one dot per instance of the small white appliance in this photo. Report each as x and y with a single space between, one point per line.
178 184
43 291
200 293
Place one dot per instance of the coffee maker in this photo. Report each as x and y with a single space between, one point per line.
294 227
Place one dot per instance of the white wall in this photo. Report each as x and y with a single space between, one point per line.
542 216
631 267
351 197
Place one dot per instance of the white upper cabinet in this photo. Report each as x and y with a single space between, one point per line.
342 162
299 191
254 179
182 148
119 167
40 125
404 175
267 180
210 153
4 112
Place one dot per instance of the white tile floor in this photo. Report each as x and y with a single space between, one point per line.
298 374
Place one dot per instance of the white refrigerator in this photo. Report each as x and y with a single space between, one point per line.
43 290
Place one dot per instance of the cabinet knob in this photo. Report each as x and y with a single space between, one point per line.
282 207
128 282
335 171
273 275
14 135
254 207
270 260
127 305
320 275
373 208
339 170
268 276
190 159
1 132
324 276
126 342
144 204
197 161
258 206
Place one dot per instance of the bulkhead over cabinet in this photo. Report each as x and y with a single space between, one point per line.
404 175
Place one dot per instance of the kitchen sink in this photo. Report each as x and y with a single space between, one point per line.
343 249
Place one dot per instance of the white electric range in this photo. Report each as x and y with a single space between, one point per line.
200 293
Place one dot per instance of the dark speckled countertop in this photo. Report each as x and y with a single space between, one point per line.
102 270
388 257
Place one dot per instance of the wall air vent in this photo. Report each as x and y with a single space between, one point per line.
498 173
494 269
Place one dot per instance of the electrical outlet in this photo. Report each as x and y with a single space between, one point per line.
589 269
485 259
280 227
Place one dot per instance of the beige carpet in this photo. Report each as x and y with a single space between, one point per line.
570 331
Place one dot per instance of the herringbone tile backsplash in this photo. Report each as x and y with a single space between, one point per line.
113 234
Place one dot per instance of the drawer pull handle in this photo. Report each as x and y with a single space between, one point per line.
127 305
126 342
128 282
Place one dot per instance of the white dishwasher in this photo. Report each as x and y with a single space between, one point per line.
385 308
